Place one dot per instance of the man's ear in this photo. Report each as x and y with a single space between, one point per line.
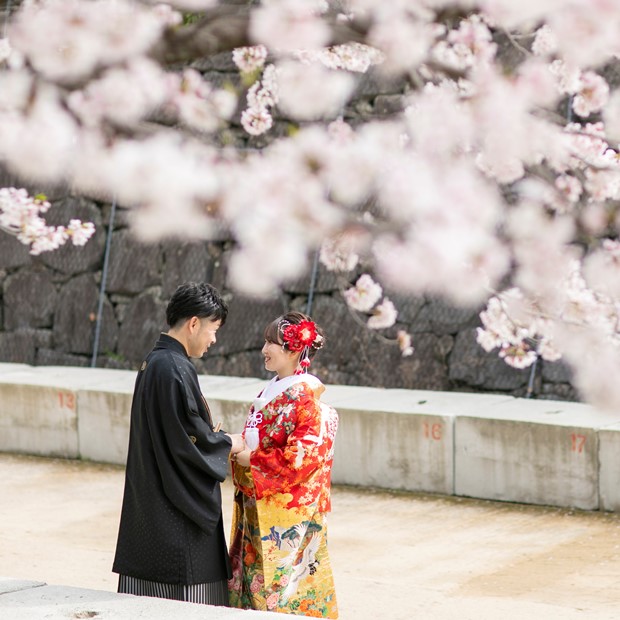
193 324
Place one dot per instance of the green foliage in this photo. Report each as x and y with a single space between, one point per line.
248 78
191 18
117 357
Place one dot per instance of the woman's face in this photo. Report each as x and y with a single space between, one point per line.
279 360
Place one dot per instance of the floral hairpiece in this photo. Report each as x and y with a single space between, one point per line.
300 335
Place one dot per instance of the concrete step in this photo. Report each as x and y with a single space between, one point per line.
33 600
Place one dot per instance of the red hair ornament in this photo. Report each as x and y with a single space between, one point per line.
300 337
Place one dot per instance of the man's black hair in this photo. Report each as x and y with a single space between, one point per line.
195 299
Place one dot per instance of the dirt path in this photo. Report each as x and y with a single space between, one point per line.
395 556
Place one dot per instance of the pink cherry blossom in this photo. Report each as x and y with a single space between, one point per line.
80 36
298 85
249 59
20 215
545 42
338 254
404 342
288 25
256 121
200 105
383 315
592 96
491 174
355 57
364 295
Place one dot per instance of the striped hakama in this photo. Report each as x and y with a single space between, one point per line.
215 593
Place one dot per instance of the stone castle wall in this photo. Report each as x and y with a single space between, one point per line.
49 304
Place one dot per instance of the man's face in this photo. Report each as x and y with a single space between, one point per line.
202 336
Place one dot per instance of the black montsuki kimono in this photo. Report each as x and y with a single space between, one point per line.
171 528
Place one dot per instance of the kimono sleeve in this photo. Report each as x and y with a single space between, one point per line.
279 469
190 456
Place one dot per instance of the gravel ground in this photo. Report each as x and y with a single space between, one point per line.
396 556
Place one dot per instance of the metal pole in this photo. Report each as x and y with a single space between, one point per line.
313 278
530 383
104 277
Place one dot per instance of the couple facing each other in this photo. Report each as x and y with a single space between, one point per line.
171 541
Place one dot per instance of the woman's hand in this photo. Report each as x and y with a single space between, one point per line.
238 445
243 458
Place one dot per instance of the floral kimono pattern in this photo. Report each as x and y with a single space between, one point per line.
279 533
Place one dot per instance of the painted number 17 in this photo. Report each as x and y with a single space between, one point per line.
577 442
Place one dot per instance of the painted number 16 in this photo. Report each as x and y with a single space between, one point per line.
432 431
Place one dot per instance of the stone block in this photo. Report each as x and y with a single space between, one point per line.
409 308
13 254
245 364
535 452
472 365
388 105
49 357
609 467
76 315
326 281
439 317
18 346
557 391
145 319
29 299
556 372
245 325
373 83
133 266
217 62
185 262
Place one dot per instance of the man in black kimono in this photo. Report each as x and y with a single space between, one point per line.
171 537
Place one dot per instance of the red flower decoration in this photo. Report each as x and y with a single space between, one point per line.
296 337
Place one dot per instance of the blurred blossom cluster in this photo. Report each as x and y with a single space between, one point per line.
497 181
20 215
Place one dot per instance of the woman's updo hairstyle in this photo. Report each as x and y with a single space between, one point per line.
274 332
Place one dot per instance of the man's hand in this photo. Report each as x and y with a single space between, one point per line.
243 458
237 443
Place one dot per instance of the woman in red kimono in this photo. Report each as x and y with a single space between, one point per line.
282 483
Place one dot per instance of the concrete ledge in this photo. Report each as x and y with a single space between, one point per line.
399 439
537 452
609 467
485 446
21 600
